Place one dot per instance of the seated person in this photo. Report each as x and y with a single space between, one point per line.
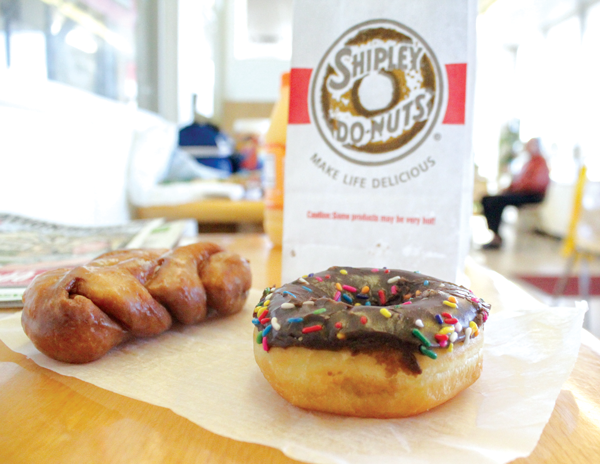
528 186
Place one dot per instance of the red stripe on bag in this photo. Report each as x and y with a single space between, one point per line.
457 93
299 84
455 111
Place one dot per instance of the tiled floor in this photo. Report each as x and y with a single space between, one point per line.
525 252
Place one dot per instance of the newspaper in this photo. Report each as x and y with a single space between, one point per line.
29 247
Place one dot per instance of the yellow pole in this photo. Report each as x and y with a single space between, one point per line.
569 245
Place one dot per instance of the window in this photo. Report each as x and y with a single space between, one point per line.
550 88
88 44
590 93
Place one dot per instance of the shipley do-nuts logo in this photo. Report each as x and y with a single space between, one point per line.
377 93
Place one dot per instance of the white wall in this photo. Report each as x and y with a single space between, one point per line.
195 46
196 54
253 79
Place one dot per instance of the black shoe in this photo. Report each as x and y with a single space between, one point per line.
491 246
494 244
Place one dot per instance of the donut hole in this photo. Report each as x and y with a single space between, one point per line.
402 290
376 91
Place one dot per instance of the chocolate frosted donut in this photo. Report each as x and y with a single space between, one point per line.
369 342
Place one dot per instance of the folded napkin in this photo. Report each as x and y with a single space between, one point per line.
207 374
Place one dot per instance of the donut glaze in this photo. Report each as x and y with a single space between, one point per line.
370 311
78 315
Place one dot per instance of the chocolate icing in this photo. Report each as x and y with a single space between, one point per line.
408 296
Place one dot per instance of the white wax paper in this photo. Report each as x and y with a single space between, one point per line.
207 374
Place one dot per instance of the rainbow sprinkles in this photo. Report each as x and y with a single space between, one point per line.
367 309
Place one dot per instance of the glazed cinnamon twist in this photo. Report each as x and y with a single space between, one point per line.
78 315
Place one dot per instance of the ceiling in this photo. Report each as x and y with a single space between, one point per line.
518 17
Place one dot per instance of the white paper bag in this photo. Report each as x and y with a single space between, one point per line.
378 165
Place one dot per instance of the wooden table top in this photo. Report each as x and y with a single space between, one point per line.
211 211
50 418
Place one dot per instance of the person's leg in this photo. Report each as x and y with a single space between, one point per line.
493 207
526 199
